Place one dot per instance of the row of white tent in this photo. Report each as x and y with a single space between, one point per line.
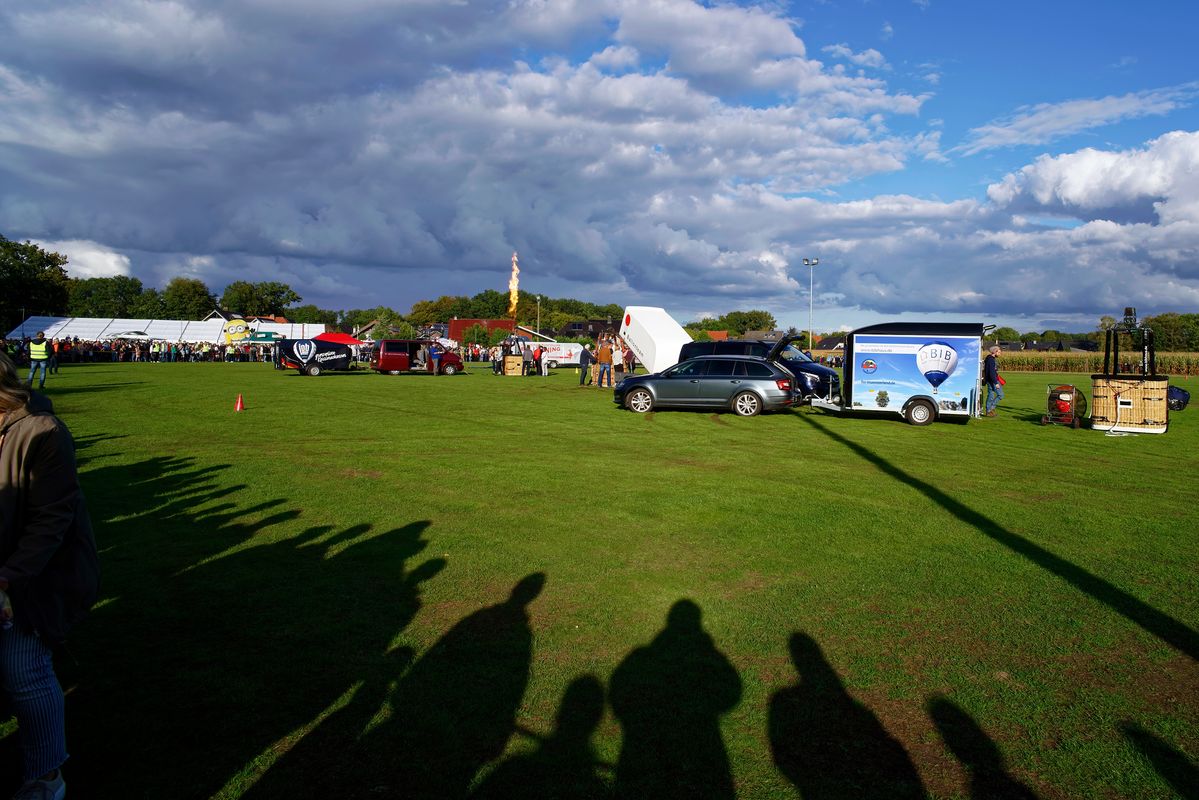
169 330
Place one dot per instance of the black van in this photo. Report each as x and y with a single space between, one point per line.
815 380
312 356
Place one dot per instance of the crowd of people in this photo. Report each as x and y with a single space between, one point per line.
600 364
82 351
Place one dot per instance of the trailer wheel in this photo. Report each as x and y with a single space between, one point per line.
1076 424
919 412
552 364
449 369
1045 420
313 370
640 401
746 404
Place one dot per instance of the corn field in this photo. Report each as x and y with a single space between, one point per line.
1182 364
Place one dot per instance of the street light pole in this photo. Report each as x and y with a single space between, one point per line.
811 263
538 315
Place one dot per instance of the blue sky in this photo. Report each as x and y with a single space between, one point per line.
1032 164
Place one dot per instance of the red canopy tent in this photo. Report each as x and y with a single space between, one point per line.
339 338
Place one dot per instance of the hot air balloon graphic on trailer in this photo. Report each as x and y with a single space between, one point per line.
937 361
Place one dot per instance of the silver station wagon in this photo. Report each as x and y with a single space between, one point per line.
745 385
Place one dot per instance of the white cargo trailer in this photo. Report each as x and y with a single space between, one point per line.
653 335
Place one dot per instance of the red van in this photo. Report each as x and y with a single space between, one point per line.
395 356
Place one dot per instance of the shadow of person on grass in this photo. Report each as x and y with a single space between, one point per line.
220 638
668 697
564 766
968 742
1172 765
827 743
455 709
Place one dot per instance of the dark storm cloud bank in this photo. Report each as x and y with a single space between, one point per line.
401 151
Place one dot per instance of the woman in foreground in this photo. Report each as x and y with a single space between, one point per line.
49 573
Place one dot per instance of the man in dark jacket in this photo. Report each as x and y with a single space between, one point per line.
586 359
48 567
992 379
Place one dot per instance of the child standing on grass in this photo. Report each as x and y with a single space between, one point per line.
49 573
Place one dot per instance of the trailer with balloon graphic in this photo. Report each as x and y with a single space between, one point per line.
921 371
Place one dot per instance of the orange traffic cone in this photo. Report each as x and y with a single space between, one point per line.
239 405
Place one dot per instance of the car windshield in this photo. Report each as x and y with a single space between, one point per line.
791 353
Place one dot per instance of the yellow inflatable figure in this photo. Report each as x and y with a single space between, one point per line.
236 330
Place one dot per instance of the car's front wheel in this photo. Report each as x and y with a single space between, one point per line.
746 404
449 369
640 401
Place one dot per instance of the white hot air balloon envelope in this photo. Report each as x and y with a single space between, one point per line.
936 361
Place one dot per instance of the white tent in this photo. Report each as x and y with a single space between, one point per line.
171 330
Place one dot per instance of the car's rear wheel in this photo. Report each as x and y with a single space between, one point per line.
449 369
919 412
746 404
640 401
393 372
314 370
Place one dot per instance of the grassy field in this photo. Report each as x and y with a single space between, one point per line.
365 585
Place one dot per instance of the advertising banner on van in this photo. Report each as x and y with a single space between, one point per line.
890 369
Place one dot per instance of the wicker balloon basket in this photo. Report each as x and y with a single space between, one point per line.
1129 404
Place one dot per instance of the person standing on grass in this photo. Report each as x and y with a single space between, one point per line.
39 359
604 357
586 360
992 378
49 574
435 350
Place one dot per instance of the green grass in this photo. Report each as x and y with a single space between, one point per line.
311 594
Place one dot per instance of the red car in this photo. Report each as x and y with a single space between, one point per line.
395 356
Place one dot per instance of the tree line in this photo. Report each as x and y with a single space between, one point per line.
35 282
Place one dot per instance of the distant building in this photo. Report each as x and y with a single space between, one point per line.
1044 347
764 336
831 343
590 328
458 327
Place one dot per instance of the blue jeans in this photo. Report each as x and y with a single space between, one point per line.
994 395
34 366
27 670
605 369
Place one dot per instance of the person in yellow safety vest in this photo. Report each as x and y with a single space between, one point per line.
39 359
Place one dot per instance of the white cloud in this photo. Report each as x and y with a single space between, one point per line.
866 58
1046 122
1159 182
887 32
87 259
